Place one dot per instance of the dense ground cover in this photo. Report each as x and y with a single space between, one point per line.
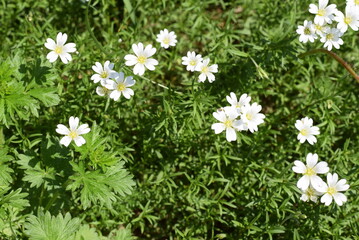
152 167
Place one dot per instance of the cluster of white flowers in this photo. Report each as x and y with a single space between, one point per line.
326 15
312 186
195 62
240 116
306 130
113 84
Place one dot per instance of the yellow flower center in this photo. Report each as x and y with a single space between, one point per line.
121 87
304 132
249 116
73 134
141 59
356 2
58 49
205 69
309 172
331 191
330 36
321 12
228 123
318 27
104 75
306 31
310 192
192 63
348 20
166 40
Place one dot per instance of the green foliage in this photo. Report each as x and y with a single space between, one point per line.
21 95
152 167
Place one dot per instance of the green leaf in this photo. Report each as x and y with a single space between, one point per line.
14 199
119 179
92 186
86 233
46 227
5 170
47 96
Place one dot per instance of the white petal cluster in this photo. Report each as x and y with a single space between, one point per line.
325 15
197 63
306 130
73 133
310 171
113 84
142 58
120 86
103 73
59 48
166 38
312 186
191 60
240 116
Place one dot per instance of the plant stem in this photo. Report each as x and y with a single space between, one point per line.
336 57
2 137
90 31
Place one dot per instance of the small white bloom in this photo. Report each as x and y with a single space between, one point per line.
351 19
306 130
141 59
353 3
227 117
251 117
321 29
324 13
206 71
310 172
166 38
102 91
332 38
332 189
243 100
121 86
60 48
103 73
73 133
310 194
307 32
191 61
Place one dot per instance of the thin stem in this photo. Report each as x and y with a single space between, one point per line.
336 57
147 79
90 31
2 137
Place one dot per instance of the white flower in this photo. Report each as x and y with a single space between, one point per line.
142 59
73 133
353 3
332 189
306 130
60 48
320 29
102 91
310 172
310 194
206 71
251 117
332 38
103 73
121 86
191 61
351 19
307 32
243 100
324 13
227 117
166 38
